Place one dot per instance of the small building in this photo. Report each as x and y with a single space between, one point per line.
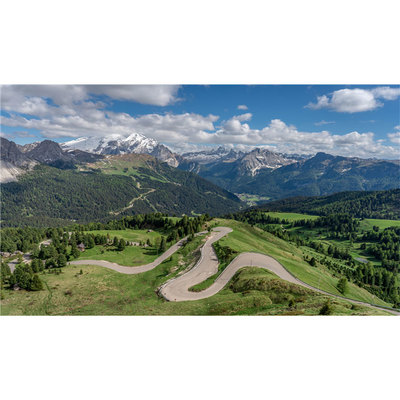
81 247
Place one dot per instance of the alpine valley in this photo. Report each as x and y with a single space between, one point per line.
47 182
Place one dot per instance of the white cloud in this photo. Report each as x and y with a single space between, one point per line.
164 128
323 122
158 95
70 95
386 92
395 137
242 107
243 117
355 100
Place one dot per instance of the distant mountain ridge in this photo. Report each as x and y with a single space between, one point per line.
227 167
251 162
323 174
259 174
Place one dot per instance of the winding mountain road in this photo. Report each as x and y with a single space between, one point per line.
177 289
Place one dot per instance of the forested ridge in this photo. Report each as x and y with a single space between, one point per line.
50 196
63 195
378 204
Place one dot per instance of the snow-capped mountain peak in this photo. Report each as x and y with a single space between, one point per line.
119 144
113 144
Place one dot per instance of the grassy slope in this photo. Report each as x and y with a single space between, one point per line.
132 255
291 216
245 238
367 224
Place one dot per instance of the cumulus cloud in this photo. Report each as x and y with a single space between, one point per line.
68 95
242 107
386 92
158 95
164 128
243 117
395 136
355 100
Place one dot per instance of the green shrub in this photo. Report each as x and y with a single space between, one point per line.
326 309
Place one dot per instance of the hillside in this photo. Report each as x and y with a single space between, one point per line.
337 246
118 185
380 204
92 290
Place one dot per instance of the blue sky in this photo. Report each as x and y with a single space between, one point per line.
360 120
285 102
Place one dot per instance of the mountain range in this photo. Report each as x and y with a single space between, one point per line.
260 173
322 174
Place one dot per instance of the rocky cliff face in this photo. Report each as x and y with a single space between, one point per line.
48 152
259 159
13 162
